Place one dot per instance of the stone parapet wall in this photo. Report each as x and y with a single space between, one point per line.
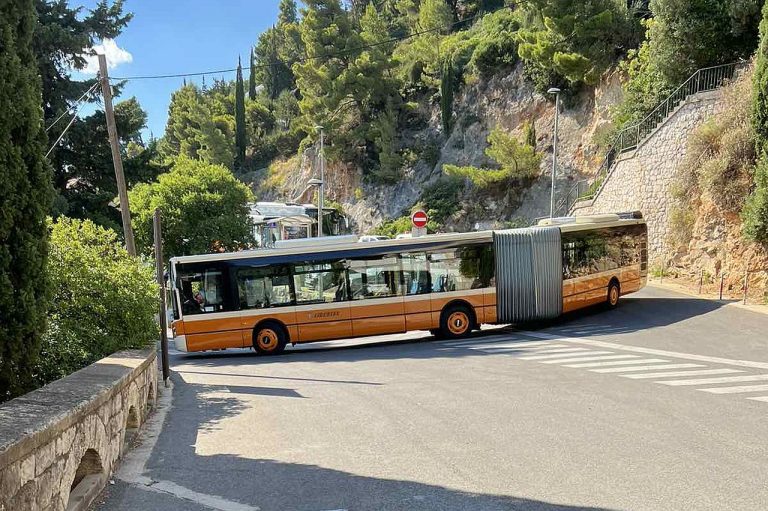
58 444
641 180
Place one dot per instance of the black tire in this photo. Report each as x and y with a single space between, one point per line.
269 338
435 333
456 321
614 293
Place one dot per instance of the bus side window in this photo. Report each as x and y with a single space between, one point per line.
201 290
415 274
263 287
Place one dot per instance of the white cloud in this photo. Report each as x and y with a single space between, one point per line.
115 57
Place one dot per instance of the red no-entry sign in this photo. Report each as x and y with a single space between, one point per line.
419 219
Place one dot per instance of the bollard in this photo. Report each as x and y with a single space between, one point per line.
746 285
722 281
701 279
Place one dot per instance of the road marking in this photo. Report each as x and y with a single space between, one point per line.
647 368
564 356
724 379
619 363
736 390
647 351
588 359
464 343
682 373
759 398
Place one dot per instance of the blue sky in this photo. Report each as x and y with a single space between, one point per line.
182 36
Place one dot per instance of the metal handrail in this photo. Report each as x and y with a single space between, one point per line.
629 138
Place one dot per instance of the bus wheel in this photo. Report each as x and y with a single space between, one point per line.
269 339
613 294
456 321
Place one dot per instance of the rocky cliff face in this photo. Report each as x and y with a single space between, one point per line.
507 101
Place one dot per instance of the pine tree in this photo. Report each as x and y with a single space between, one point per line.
25 181
240 138
252 78
287 12
529 133
446 96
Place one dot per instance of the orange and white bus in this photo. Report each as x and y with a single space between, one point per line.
448 284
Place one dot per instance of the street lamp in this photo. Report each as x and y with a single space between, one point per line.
321 194
556 92
319 183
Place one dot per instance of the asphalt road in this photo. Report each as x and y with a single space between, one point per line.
655 405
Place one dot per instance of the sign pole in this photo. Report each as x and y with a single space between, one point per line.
161 285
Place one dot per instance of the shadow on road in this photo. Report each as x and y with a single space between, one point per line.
275 485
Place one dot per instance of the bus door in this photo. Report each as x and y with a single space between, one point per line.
322 305
416 290
376 303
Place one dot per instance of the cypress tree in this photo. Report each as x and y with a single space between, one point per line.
252 78
240 138
446 96
25 181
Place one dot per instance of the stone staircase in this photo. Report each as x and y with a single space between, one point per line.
584 193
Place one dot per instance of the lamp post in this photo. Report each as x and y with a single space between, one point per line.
319 183
556 92
321 194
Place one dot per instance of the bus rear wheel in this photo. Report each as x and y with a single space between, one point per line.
269 339
614 293
456 321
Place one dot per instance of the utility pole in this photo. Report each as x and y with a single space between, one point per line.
321 194
161 285
556 92
117 160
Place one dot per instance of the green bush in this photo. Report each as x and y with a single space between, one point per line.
103 301
402 225
441 198
755 212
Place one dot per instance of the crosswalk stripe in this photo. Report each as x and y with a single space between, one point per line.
674 374
563 355
725 379
654 367
527 351
619 363
464 343
588 359
759 398
737 390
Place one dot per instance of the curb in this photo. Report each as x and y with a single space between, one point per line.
760 309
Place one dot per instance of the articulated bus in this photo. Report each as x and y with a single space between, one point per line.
448 284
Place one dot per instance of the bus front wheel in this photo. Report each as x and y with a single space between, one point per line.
269 339
614 293
456 321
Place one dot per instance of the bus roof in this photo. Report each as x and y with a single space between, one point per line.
431 241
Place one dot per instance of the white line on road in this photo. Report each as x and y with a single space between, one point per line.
647 351
724 379
647 368
533 349
538 351
588 359
562 355
618 363
759 398
681 373
737 390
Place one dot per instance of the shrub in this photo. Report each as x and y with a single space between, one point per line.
441 198
104 300
402 225
755 213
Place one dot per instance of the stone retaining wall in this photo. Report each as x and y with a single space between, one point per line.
641 180
58 444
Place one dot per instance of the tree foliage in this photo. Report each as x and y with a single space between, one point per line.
515 160
446 97
204 209
755 213
240 135
103 299
25 182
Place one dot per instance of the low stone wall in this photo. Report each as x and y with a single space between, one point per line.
641 180
58 444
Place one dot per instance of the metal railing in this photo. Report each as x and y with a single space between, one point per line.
630 137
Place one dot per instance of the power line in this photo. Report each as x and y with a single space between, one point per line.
65 112
71 121
316 57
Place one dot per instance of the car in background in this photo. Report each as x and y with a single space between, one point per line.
371 237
